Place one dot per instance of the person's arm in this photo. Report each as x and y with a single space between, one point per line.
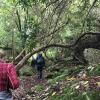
13 79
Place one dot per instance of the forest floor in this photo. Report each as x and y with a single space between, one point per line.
32 88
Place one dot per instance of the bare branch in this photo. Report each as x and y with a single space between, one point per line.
59 28
20 55
50 3
88 13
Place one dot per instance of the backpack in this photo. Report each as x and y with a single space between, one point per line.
40 60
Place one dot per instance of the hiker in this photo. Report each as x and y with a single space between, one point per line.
39 63
8 78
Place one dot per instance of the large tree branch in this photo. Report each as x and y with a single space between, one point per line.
22 62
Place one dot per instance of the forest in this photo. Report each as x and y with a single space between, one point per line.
66 33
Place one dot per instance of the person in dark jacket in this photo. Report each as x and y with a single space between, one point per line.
39 63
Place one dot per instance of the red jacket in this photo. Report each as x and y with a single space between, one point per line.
8 77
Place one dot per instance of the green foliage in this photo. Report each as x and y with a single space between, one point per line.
56 79
69 93
58 76
41 20
51 53
39 88
26 71
94 70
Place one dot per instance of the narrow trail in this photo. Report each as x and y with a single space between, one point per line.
27 86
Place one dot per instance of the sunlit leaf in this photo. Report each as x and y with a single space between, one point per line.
53 93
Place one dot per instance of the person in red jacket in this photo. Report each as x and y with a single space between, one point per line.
8 78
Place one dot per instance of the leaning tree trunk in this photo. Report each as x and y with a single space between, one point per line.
25 58
19 57
86 40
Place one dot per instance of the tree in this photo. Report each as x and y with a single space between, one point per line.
86 40
45 23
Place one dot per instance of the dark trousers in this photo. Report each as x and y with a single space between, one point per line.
39 71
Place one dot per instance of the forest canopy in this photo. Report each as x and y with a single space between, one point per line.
37 23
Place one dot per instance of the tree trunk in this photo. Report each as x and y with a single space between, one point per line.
86 40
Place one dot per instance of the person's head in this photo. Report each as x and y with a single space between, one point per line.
2 54
40 55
